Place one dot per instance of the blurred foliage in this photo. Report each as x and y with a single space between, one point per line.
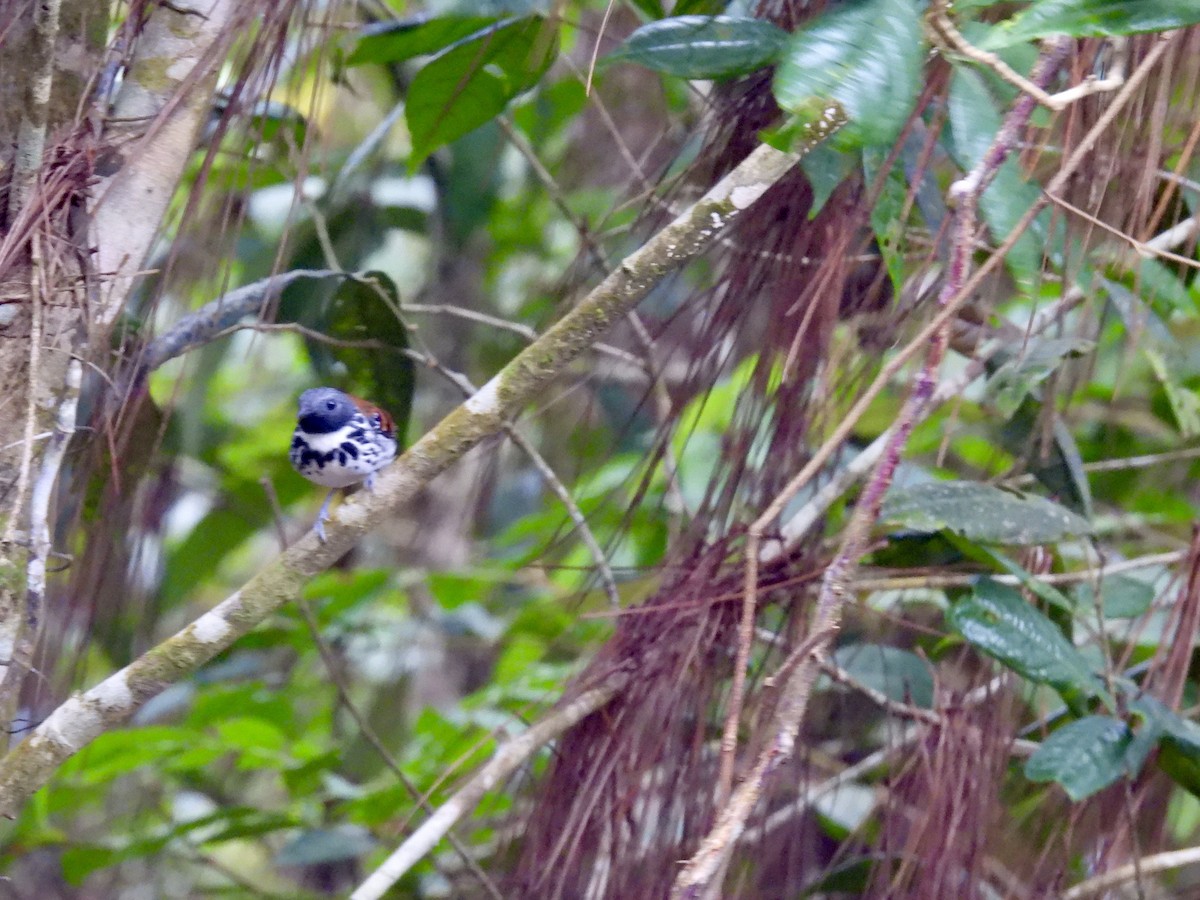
459 623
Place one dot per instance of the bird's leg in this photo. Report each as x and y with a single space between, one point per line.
369 483
323 516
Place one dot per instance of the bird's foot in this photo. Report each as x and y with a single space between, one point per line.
323 517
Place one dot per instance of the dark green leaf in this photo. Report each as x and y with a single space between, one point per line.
471 82
365 311
1060 469
393 42
982 512
1121 597
826 168
326 845
703 46
866 56
998 621
896 673
1180 748
1094 18
652 9
699 7
1084 756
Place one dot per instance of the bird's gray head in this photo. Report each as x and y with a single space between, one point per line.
325 409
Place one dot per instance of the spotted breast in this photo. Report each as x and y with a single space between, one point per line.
340 441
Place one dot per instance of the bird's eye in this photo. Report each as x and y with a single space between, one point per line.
331 405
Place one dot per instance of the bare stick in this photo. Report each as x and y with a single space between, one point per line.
1147 865
503 763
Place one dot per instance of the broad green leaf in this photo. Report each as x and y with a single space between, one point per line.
982 512
1084 756
1020 377
1093 18
826 168
471 82
366 311
998 621
703 46
1185 404
896 673
393 42
867 56
1180 748
974 123
1121 597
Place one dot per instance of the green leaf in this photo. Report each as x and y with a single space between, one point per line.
1184 402
825 168
326 845
1180 749
1093 18
993 557
1121 597
472 81
1084 756
866 56
982 512
1019 378
998 621
366 310
896 673
703 46
699 7
393 42
974 123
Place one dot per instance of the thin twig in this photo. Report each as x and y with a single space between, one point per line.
900 583
507 758
695 879
603 567
1147 865
949 38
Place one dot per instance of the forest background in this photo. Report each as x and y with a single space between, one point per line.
800 402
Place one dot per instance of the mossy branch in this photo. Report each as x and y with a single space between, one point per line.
85 716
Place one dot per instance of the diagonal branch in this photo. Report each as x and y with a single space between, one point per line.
84 717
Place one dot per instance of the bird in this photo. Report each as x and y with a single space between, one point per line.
340 441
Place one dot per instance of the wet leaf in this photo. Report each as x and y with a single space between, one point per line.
982 512
703 46
998 621
1093 18
866 56
1084 756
